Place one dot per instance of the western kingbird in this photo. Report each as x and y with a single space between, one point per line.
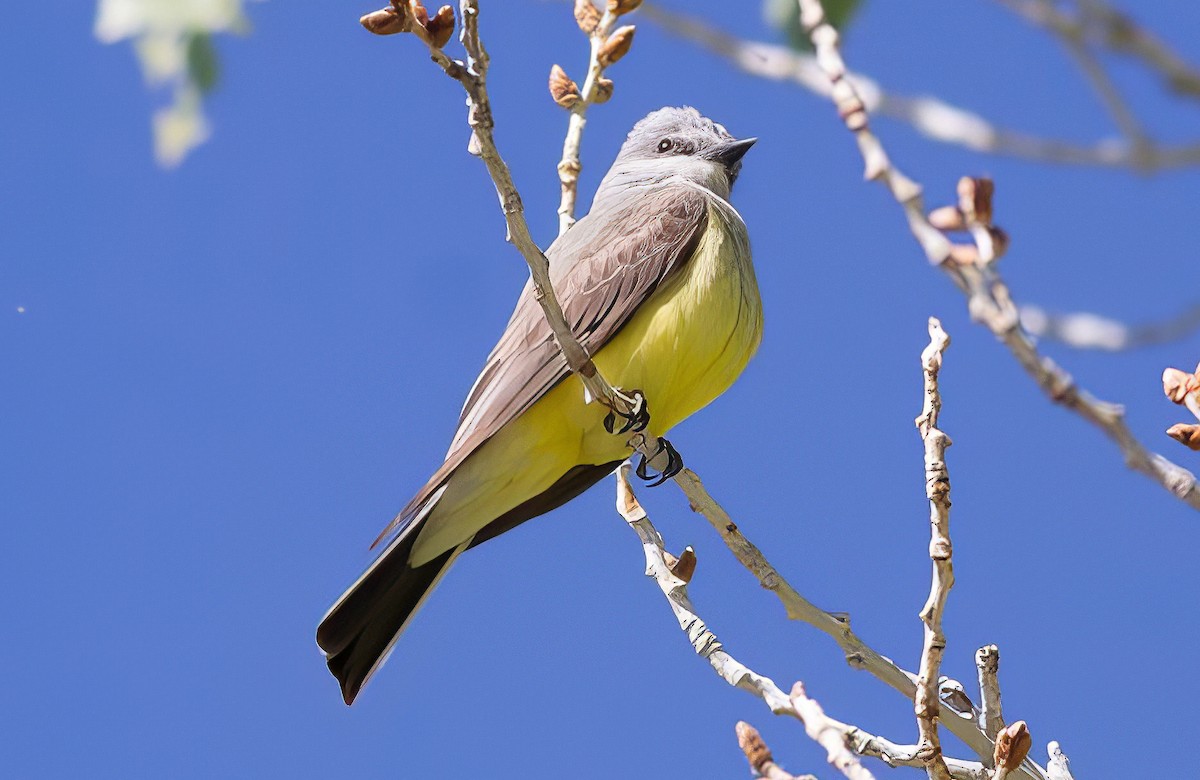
657 284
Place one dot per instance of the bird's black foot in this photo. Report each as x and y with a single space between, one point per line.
636 419
673 467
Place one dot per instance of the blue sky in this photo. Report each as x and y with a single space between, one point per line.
226 378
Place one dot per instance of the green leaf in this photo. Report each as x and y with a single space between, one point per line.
784 15
203 67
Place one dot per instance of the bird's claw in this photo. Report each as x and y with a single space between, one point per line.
673 467
636 419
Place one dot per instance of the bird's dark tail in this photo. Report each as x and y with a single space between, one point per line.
359 631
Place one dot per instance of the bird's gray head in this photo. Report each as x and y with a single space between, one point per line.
679 142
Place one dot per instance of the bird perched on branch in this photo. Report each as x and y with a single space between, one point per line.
656 282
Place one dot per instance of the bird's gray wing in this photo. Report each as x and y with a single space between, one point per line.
602 269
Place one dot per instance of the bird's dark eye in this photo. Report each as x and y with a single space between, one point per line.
665 145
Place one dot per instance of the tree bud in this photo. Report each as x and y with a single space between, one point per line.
622 7
563 90
604 90
617 46
441 26
385 21
1012 745
587 16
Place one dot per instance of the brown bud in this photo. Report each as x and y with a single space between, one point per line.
975 199
622 7
1177 384
751 743
1012 745
947 218
564 91
441 26
604 90
587 16
617 45
419 12
999 241
1185 434
685 566
385 21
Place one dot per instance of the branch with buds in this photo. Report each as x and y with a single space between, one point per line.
842 742
932 117
607 47
1095 22
937 490
411 16
1184 389
991 716
972 269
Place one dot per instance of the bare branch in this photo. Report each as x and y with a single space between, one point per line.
991 716
937 490
706 645
596 89
933 118
1084 330
837 626
988 297
703 641
829 734
472 74
1111 97
1101 24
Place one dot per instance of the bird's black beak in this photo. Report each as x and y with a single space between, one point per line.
729 153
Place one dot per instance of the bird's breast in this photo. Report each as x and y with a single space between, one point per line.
688 343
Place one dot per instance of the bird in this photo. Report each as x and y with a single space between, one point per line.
656 282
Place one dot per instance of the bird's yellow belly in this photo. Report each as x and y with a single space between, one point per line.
684 347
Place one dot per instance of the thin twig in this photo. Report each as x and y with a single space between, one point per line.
991 716
988 297
934 118
829 734
858 653
706 645
472 74
1111 97
1085 330
937 490
570 165
1099 23
703 641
